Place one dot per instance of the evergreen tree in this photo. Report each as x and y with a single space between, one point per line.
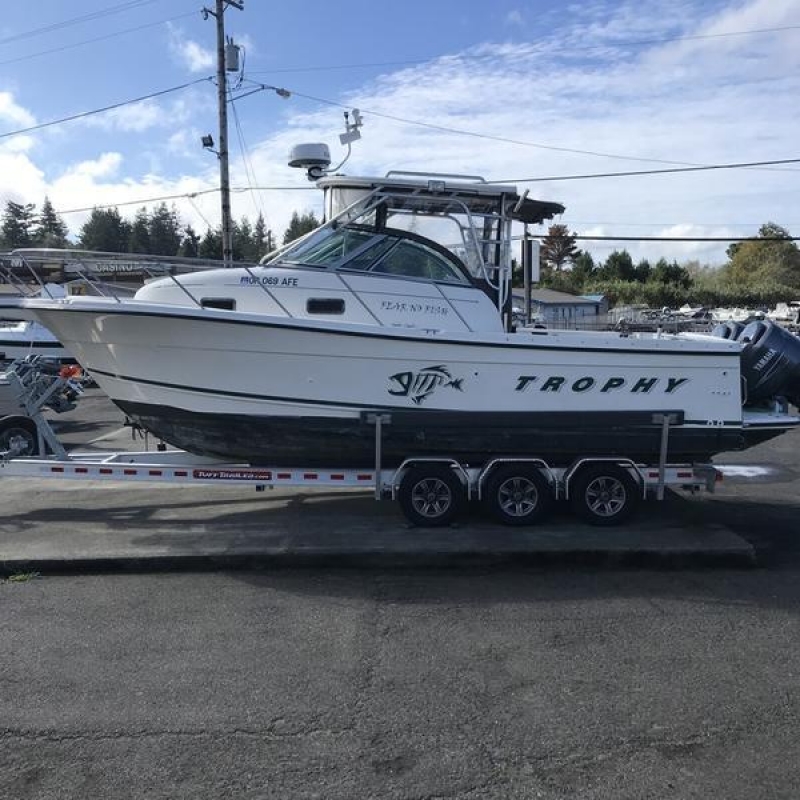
139 240
245 241
163 231
642 271
17 226
263 241
211 244
558 248
299 225
583 268
673 273
50 230
105 230
190 244
618 267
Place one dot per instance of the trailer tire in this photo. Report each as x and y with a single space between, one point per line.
518 495
19 430
431 495
604 494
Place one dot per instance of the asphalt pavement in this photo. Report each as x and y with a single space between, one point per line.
54 524
463 673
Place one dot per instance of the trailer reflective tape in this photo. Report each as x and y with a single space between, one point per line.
337 477
363 477
106 471
310 476
284 476
155 472
181 473
81 470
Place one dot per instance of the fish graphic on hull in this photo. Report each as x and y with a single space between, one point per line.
421 384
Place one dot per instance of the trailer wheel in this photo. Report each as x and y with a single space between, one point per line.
431 495
19 432
604 494
518 495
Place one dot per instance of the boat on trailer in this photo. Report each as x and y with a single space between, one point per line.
399 305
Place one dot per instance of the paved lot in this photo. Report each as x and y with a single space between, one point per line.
490 680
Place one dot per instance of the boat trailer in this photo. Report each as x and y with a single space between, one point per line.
432 491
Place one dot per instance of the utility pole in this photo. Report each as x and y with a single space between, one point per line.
222 101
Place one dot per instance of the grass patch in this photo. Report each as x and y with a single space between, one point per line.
23 577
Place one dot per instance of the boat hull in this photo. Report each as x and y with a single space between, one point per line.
282 391
470 437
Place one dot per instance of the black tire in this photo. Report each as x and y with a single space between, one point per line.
431 495
518 495
604 495
19 431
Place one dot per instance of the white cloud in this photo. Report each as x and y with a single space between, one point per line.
698 101
514 17
106 165
188 53
136 117
13 113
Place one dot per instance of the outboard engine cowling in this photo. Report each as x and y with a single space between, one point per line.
727 330
770 362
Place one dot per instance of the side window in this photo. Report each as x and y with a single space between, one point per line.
325 305
225 303
417 261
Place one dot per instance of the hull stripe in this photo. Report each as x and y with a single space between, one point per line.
364 406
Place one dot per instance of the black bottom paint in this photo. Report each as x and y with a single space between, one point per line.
471 437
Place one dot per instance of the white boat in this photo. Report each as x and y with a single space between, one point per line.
30 338
400 305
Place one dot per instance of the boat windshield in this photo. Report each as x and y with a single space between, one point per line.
388 251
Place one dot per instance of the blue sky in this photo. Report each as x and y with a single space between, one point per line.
508 90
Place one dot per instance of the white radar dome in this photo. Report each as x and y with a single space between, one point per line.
308 156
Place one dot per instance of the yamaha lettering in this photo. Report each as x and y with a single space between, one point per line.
587 383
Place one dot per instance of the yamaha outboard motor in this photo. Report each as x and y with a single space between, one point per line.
770 362
728 330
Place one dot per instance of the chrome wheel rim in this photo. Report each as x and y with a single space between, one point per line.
606 496
431 498
517 496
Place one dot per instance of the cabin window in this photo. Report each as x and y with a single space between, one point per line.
329 246
325 305
225 303
370 254
417 261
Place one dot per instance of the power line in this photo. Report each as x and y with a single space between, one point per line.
140 202
111 107
187 196
740 165
132 4
685 166
476 135
96 39
684 238
572 49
